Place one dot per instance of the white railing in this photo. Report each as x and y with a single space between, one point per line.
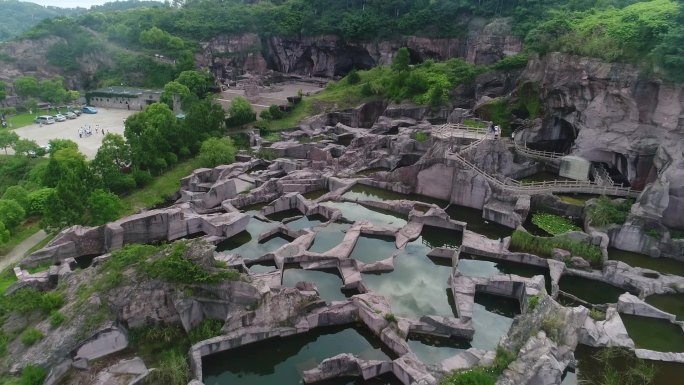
547 155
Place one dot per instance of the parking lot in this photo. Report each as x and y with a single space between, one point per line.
107 120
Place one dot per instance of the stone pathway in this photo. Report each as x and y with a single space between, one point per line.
18 252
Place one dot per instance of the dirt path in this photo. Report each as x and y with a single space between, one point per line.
18 252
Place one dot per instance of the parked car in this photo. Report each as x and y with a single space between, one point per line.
77 112
70 115
89 110
45 119
60 118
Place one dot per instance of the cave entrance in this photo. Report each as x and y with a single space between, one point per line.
560 138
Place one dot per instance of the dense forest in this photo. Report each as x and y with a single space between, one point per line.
650 33
18 16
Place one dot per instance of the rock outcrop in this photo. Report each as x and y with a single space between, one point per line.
614 114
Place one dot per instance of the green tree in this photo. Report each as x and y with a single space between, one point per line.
17 194
25 146
240 112
31 105
204 118
8 139
401 60
59 144
150 134
198 82
103 207
3 91
112 158
11 213
66 160
26 86
4 233
175 88
37 200
215 151
67 206
53 91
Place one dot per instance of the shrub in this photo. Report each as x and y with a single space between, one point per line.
553 327
553 224
56 319
604 211
206 329
17 194
265 115
11 213
422 136
597 314
33 375
215 151
142 177
175 267
173 369
532 302
353 77
389 317
240 112
25 301
477 376
31 336
503 359
528 243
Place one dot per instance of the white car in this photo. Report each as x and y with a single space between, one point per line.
70 115
60 118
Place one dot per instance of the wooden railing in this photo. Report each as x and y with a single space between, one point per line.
546 155
554 186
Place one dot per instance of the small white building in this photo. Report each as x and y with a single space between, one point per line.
574 167
125 98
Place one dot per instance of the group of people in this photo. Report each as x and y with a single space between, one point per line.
87 131
496 130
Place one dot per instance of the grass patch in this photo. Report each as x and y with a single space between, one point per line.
25 230
605 211
206 329
26 119
483 375
31 336
597 314
422 136
528 243
576 199
160 188
175 267
474 123
163 347
7 278
553 224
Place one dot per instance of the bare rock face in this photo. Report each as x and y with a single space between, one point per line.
617 116
328 55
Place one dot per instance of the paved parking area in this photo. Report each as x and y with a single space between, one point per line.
109 120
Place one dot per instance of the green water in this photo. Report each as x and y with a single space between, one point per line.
594 292
260 268
591 371
306 222
371 171
417 286
329 284
328 237
492 318
285 214
356 212
313 195
671 303
433 351
246 242
369 193
661 265
370 249
438 237
476 266
282 360
476 223
654 334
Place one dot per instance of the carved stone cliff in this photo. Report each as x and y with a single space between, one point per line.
616 115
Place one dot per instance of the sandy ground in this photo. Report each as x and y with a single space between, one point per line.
109 120
265 99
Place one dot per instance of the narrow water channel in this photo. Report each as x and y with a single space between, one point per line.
662 265
670 303
592 291
328 283
356 212
282 360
